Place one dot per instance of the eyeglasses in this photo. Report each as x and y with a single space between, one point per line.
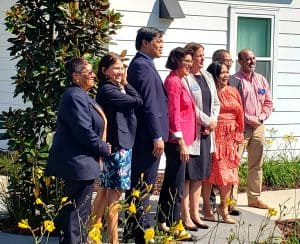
228 61
89 72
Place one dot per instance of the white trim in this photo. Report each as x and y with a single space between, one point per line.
256 12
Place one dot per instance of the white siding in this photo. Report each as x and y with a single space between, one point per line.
7 68
207 22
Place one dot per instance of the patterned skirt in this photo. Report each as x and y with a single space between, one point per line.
116 171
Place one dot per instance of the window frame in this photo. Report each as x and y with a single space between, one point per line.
256 12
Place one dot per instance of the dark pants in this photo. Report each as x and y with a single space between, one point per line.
142 162
74 217
170 198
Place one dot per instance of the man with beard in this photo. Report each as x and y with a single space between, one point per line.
258 106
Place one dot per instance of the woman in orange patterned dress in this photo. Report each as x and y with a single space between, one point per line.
229 134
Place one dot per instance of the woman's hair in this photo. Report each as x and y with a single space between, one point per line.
176 56
74 65
105 62
194 46
215 69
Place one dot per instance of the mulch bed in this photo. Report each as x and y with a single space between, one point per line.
289 228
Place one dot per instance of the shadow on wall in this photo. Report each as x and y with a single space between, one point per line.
267 1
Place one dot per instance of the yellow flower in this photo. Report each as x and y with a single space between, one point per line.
38 201
36 192
49 225
24 224
148 208
269 141
98 225
149 234
63 200
132 208
272 212
95 234
47 181
230 202
136 193
39 172
179 226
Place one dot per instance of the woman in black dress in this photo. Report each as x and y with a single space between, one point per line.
203 90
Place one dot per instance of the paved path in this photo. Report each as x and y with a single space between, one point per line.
248 223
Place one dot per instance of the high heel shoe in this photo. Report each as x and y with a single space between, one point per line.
207 214
163 227
200 225
226 218
190 228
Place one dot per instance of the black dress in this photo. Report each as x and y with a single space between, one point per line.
198 167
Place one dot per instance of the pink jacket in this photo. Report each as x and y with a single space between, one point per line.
182 116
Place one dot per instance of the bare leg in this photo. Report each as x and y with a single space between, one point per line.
195 194
223 207
113 195
206 190
185 205
99 205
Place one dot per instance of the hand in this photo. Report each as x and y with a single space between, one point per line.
183 150
212 125
255 122
109 147
158 148
206 132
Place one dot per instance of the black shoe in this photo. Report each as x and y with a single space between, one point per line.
190 228
234 212
200 226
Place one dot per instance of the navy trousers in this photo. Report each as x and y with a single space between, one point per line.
74 217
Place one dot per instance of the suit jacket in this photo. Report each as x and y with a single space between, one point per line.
153 115
235 82
77 143
182 116
202 118
119 110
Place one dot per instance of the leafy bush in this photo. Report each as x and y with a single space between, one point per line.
46 35
277 174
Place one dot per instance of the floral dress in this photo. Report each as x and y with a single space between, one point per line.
229 134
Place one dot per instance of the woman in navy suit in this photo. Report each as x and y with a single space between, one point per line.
118 99
76 149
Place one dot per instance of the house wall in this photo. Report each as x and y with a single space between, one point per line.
207 22
7 66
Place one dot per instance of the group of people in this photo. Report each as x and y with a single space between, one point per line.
202 120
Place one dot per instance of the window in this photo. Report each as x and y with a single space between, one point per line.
256 29
255 34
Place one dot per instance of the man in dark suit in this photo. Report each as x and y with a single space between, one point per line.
223 56
152 118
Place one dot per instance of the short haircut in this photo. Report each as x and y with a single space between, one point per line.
106 61
194 46
176 56
147 34
218 54
74 65
215 69
240 54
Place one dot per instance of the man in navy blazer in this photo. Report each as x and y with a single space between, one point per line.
152 117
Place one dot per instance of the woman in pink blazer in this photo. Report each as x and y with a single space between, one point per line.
182 131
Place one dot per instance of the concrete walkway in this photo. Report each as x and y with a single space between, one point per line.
286 202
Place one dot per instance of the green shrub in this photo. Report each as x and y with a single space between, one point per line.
277 174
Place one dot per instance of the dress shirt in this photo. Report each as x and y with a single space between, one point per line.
257 99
